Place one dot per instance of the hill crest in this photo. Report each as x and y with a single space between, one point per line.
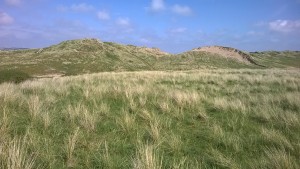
83 56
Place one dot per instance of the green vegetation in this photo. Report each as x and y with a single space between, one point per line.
75 57
150 109
79 57
286 59
209 118
13 76
199 60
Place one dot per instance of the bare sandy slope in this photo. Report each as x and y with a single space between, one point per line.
226 52
154 51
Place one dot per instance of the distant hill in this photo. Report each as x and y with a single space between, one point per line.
92 55
81 56
283 59
7 49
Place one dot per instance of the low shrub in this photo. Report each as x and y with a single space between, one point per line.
14 76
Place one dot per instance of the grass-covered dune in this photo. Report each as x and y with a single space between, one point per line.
75 57
192 119
284 59
82 56
79 57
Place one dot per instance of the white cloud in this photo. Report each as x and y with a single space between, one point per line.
144 40
178 30
13 2
254 33
182 10
5 19
125 22
103 15
285 26
157 5
83 7
123 26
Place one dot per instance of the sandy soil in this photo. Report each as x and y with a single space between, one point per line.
226 52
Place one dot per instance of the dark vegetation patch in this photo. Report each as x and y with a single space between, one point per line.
14 76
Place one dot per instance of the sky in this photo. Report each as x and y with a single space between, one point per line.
172 25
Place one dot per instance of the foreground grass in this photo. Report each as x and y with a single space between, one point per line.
194 119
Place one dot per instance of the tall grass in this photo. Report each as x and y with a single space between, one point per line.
14 155
208 118
147 157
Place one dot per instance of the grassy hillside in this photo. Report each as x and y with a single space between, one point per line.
90 55
225 118
79 57
198 60
285 59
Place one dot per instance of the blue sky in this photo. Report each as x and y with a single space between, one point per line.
174 26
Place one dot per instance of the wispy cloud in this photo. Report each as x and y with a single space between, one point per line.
254 33
178 30
123 25
285 26
144 40
5 19
124 22
83 7
157 5
103 15
182 10
13 2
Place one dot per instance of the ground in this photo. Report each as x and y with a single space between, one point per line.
206 118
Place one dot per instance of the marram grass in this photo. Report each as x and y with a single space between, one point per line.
150 120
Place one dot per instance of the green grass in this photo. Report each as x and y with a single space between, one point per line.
200 60
83 56
209 118
285 59
78 57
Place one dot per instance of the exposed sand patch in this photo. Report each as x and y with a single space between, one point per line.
226 52
154 51
49 76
